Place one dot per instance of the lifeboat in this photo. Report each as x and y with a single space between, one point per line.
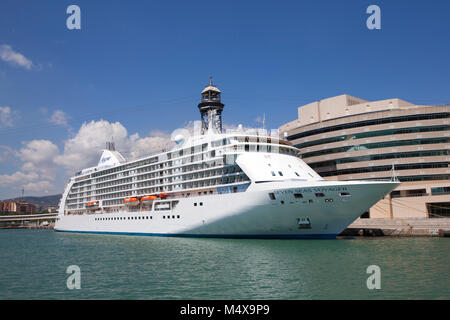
132 201
163 195
92 205
147 199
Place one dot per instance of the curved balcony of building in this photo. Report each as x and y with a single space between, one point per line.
392 116
332 170
322 168
373 131
395 162
403 175
373 142
395 152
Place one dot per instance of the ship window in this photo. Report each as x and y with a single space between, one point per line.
298 195
168 217
297 174
173 217
310 201
272 196
320 195
201 203
328 200
178 217
280 173
345 194
282 202
195 204
273 173
164 217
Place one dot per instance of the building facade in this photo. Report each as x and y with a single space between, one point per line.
20 207
348 138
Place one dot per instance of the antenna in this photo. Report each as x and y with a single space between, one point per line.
110 145
394 174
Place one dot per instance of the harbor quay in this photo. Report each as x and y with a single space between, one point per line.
28 221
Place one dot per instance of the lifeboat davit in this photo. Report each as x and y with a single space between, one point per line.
132 201
148 199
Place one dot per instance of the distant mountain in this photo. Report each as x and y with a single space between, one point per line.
44 201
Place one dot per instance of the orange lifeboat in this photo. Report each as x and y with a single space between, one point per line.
163 195
148 199
131 201
92 205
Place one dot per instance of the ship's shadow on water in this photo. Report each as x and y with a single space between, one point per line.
34 263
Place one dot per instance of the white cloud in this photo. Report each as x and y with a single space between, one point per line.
6 153
38 167
156 142
59 118
38 156
41 159
5 117
39 186
18 178
7 54
39 151
84 149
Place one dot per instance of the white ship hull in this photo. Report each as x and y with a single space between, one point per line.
250 214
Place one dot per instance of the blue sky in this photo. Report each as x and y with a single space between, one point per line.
143 64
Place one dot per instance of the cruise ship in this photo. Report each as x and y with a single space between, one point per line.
234 183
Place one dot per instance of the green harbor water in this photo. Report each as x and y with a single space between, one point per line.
33 265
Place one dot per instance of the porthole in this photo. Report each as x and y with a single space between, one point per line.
320 195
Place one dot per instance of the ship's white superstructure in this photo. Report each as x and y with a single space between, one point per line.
242 183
